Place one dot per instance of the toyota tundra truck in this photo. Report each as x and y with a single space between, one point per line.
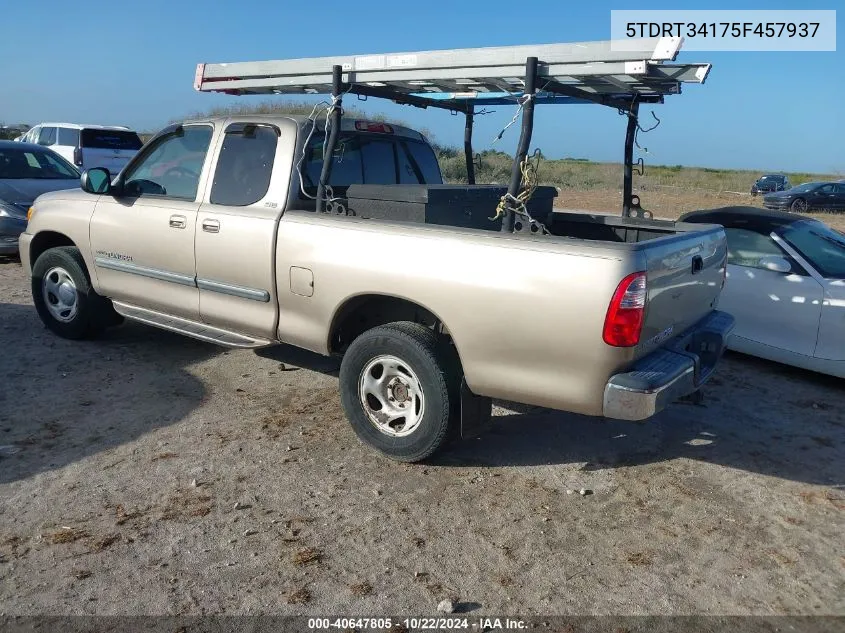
211 231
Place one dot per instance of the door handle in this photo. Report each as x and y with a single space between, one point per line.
211 226
177 221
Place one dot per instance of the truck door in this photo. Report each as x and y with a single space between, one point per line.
143 240
236 232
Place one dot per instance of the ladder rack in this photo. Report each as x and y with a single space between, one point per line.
620 74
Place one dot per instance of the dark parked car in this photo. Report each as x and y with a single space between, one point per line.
770 183
828 196
27 171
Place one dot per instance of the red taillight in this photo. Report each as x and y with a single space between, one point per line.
77 156
624 320
380 128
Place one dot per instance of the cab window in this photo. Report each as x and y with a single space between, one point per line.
245 164
172 165
47 136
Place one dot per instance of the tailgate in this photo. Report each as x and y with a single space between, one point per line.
685 275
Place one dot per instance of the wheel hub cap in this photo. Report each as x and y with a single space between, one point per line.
60 295
400 392
391 395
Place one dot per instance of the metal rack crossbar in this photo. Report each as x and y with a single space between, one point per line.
614 74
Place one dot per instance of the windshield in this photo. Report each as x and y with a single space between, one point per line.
40 164
807 186
762 178
819 244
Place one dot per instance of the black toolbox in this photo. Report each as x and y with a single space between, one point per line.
469 206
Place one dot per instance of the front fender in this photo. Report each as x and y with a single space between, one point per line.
58 218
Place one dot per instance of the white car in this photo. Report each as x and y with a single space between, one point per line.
88 146
785 286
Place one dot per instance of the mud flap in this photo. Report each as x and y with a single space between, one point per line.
476 412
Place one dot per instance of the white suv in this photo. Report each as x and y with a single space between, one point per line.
87 146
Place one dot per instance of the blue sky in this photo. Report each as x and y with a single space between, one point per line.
133 64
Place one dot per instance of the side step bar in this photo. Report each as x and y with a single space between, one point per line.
190 328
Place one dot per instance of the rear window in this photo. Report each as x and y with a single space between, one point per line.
68 137
111 139
379 163
423 162
371 159
347 168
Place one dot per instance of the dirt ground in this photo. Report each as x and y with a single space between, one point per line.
146 473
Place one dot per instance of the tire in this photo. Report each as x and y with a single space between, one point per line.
64 298
392 370
799 205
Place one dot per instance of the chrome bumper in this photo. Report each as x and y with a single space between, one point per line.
674 371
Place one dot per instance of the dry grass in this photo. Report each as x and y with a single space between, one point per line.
584 175
307 556
105 542
186 504
122 515
66 535
642 559
504 581
164 456
299 596
823 496
361 589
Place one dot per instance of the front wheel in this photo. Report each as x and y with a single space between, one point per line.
395 391
799 205
64 298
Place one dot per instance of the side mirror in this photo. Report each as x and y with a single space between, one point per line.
776 264
96 180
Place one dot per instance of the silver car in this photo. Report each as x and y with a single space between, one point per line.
785 286
27 171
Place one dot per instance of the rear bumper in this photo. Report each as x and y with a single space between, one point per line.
676 370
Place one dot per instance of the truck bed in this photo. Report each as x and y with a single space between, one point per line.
473 206
684 263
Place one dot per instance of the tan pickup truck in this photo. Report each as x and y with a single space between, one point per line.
211 231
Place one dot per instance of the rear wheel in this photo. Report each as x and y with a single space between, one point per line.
64 298
395 390
799 205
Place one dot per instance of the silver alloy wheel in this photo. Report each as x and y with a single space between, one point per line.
391 395
59 294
